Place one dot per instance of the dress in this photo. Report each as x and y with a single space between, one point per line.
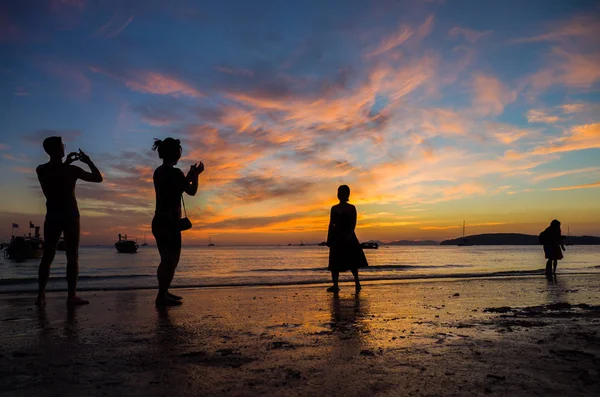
552 243
345 252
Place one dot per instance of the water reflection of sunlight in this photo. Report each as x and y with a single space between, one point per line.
348 322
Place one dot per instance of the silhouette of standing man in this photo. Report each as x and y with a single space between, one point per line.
58 180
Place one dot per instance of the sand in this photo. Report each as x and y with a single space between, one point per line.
500 336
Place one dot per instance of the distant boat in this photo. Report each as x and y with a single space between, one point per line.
125 246
301 242
144 244
372 246
22 248
464 242
323 244
568 239
210 244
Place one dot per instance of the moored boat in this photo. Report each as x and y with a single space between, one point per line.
126 246
22 248
372 246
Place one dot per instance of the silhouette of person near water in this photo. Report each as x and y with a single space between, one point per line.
345 252
553 242
58 180
169 184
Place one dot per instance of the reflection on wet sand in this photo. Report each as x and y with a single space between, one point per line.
556 289
347 322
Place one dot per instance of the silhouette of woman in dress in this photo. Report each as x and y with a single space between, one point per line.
553 242
169 184
345 252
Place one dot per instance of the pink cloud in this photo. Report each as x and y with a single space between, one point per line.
469 34
392 41
23 170
112 28
572 107
4 146
540 116
235 72
76 82
491 96
585 27
574 58
558 174
153 83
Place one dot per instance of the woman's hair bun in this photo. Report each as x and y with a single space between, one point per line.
157 143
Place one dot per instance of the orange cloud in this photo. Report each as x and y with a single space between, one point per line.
584 186
439 227
508 134
490 95
580 137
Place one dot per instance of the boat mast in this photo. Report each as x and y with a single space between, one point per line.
463 229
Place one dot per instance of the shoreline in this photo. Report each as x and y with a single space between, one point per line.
364 280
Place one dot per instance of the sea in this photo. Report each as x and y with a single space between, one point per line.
102 268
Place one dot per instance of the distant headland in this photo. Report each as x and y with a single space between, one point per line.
515 239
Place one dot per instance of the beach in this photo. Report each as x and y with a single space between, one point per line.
520 335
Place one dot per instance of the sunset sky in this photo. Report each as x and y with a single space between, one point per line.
433 112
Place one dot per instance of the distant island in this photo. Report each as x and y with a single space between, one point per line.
406 242
515 239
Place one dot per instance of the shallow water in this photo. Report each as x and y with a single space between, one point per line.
104 268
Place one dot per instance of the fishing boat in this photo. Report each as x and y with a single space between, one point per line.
126 246
144 244
464 242
22 248
301 242
323 244
372 246
210 243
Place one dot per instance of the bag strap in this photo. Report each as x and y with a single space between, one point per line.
183 202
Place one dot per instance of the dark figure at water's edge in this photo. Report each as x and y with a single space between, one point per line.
345 252
170 183
553 242
58 180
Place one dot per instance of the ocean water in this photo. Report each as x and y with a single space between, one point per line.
104 268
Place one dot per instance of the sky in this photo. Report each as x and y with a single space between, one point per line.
433 112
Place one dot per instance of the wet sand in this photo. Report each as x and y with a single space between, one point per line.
500 336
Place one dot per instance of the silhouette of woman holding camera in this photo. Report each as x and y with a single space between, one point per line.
169 184
58 180
345 252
